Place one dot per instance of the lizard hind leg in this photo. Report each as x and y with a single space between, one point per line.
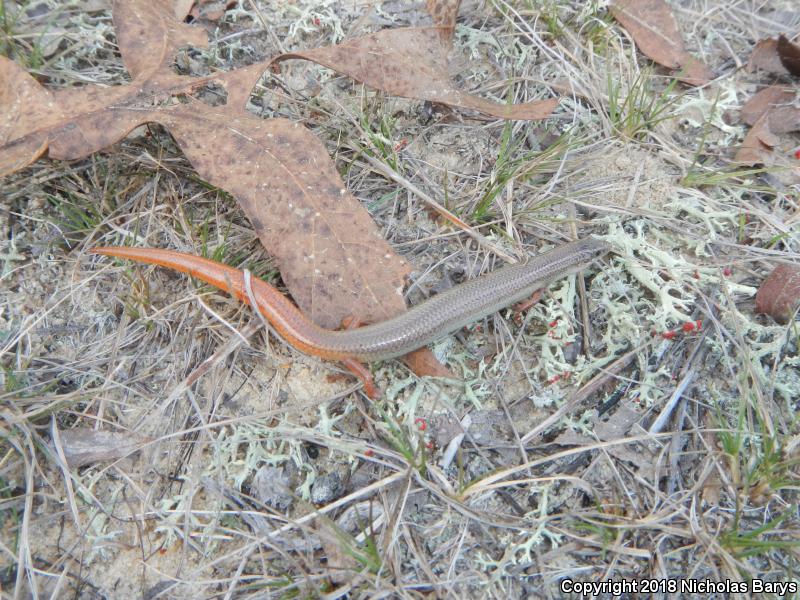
357 368
362 372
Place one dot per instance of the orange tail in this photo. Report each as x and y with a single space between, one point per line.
287 320
222 276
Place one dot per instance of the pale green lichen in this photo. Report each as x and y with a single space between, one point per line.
716 221
551 348
477 42
708 106
236 454
763 343
308 18
397 386
552 395
239 451
519 544
583 424
787 380
176 517
98 531
671 303
311 476
326 422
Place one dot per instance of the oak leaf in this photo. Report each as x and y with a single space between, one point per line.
775 55
770 111
412 62
444 13
655 31
332 256
757 146
789 54
424 363
764 101
764 57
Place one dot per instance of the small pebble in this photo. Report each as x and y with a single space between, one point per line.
272 486
326 488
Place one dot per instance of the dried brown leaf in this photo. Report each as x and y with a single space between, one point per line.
784 119
423 363
26 110
780 56
764 57
655 31
764 101
85 446
412 62
149 35
340 564
444 13
789 55
181 8
73 123
330 254
339 549
332 257
779 294
757 145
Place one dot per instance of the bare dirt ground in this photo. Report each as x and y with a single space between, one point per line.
596 447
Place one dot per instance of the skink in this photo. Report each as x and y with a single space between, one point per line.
427 322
